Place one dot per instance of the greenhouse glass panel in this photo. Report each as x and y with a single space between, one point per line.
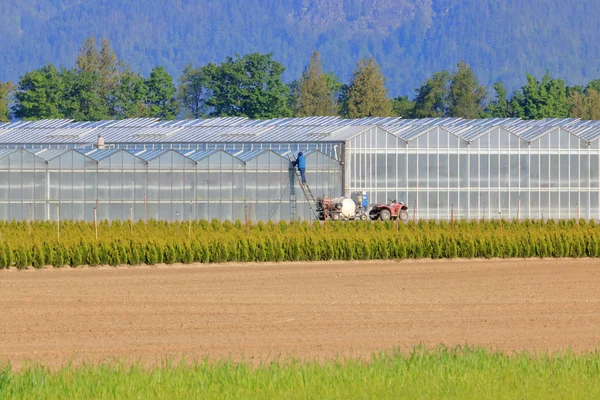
28 186
594 205
432 168
494 204
494 170
524 205
584 168
484 204
474 170
534 205
554 206
544 170
574 171
594 171
391 179
443 172
474 209
462 209
584 208
39 182
464 170
534 171
514 205
443 205
15 182
78 182
115 185
403 171
554 139
412 171
453 171
504 205
544 203
484 171
554 170
575 203
54 185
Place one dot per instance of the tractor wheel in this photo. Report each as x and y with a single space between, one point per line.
363 217
403 215
385 215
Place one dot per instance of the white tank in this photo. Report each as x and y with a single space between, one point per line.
348 206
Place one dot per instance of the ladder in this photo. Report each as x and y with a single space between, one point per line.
312 202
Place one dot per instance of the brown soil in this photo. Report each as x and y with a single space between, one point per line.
310 311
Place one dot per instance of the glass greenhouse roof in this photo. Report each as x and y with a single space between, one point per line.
242 130
149 156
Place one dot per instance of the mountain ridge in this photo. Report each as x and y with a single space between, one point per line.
410 39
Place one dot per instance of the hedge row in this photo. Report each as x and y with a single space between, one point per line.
38 245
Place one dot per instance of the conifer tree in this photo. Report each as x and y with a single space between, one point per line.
500 106
466 96
431 100
541 99
315 96
161 94
366 96
6 92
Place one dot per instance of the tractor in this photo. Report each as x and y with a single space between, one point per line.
385 212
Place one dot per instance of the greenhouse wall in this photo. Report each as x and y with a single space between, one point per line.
495 175
164 185
232 168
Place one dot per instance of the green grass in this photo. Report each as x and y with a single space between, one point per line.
461 373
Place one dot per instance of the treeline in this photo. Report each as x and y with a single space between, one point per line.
39 244
100 86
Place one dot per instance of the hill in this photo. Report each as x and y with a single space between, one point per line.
409 38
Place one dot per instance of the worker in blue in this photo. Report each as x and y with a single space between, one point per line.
301 164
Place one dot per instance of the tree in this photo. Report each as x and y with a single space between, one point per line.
129 98
39 95
500 106
161 94
465 96
585 102
595 85
104 63
249 86
431 100
403 107
80 99
316 91
97 73
6 92
193 92
366 96
541 99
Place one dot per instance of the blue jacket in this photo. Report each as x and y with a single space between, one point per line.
301 162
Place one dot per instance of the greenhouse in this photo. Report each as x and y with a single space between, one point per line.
235 168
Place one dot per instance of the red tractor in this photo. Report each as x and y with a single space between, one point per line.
384 212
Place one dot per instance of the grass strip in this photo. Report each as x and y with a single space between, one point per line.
458 373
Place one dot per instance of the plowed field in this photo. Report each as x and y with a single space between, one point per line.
310 311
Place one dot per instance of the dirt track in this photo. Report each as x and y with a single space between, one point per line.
305 310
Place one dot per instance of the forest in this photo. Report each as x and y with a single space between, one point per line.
410 39
102 86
